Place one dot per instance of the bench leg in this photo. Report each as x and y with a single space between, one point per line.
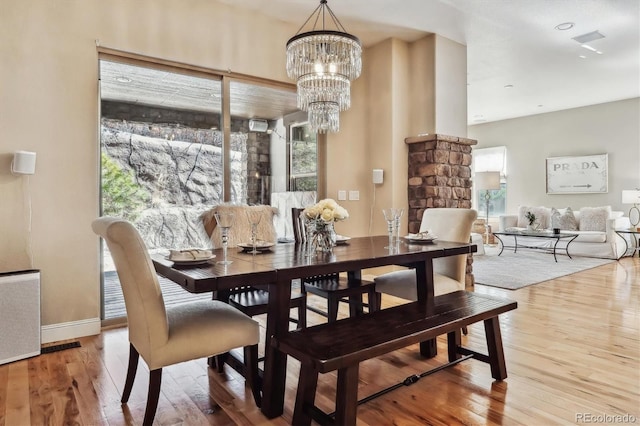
454 341
305 395
347 395
494 347
429 348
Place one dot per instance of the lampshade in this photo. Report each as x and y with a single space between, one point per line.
324 62
631 196
487 180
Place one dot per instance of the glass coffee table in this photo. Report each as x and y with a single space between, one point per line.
568 236
635 232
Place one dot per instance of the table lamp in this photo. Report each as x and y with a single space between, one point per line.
632 196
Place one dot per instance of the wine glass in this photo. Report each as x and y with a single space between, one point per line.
396 224
254 217
390 216
309 226
224 220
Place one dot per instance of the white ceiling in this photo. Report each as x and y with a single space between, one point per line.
509 42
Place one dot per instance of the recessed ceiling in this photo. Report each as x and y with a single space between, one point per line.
512 43
508 42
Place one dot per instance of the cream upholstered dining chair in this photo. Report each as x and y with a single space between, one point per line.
448 224
168 335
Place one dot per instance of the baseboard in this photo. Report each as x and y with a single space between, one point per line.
70 330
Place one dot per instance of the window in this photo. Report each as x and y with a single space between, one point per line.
303 172
490 160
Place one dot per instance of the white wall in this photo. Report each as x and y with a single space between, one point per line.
611 128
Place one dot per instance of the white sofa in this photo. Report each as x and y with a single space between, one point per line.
595 227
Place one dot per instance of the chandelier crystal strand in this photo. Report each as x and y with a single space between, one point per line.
324 117
329 88
323 63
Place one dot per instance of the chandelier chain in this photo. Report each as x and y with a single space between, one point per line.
320 10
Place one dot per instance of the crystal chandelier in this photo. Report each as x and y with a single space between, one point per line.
323 63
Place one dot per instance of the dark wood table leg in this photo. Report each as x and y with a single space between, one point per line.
275 364
454 341
355 302
425 290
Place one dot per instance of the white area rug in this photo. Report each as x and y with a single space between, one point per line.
526 267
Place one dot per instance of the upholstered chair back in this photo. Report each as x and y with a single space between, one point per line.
450 224
146 314
240 231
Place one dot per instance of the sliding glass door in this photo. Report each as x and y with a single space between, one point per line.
161 149
175 142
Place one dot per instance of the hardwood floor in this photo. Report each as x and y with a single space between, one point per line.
572 349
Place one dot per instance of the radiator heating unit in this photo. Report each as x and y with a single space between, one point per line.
19 315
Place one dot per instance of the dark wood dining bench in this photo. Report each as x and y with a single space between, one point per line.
342 345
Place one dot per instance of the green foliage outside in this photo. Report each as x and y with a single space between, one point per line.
304 157
306 184
121 195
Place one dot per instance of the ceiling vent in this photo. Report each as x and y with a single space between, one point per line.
586 38
257 125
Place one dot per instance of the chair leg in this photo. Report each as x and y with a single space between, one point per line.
211 361
378 300
155 380
220 360
302 314
131 373
372 297
332 305
251 372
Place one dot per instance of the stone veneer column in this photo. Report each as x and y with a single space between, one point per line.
439 176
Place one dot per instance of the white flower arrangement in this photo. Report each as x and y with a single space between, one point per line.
326 210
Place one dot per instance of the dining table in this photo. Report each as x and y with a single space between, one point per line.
283 263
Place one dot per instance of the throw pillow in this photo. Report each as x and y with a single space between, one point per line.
542 216
565 221
594 218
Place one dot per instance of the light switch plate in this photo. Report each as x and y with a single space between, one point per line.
354 195
342 195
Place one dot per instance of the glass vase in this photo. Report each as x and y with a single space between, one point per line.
323 236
